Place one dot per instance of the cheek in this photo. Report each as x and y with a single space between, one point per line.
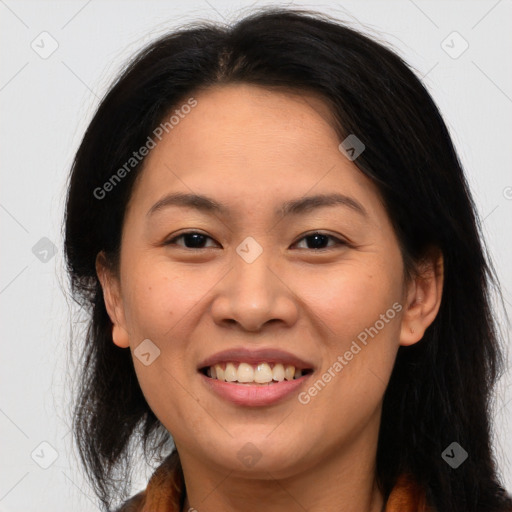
359 308
349 299
159 298
161 308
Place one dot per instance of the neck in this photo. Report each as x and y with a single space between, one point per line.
341 482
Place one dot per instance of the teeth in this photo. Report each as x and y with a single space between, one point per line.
230 374
289 372
245 373
219 371
278 372
263 373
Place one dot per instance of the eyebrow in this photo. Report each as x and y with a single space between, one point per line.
297 206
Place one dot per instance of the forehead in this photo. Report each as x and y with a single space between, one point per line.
246 142
236 100
235 120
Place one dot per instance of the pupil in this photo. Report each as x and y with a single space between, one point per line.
198 239
316 237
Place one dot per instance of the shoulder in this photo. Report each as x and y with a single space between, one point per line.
165 488
134 504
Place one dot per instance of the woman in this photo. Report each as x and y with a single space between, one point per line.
264 367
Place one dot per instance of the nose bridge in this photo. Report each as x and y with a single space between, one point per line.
252 293
253 281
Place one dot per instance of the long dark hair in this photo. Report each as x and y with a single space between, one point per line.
441 387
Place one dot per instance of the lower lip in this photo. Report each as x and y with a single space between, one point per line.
257 394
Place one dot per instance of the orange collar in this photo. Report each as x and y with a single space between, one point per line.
406 496
165 492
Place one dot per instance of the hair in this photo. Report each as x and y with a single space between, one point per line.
440 389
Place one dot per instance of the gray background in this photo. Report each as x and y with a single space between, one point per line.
46 103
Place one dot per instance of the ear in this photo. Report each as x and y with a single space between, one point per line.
424 292
113 302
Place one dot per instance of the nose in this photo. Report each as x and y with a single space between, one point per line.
254 294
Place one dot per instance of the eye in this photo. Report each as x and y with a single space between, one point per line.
196 240
318 240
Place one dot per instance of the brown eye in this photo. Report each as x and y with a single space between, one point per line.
318 240
193 240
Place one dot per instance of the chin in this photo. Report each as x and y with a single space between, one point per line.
258 455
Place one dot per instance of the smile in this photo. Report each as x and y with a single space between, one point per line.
246 373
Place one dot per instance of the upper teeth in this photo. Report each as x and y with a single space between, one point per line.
260 373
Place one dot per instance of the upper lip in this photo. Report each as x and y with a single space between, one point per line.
255 356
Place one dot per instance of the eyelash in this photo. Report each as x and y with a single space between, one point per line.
338 240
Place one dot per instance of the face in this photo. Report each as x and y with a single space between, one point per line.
322 284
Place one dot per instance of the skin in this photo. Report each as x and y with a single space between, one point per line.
252 149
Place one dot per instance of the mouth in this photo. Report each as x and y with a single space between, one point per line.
248 377
246 373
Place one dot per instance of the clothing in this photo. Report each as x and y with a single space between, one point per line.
165 489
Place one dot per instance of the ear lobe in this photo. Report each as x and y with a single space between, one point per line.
423 298
113 302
